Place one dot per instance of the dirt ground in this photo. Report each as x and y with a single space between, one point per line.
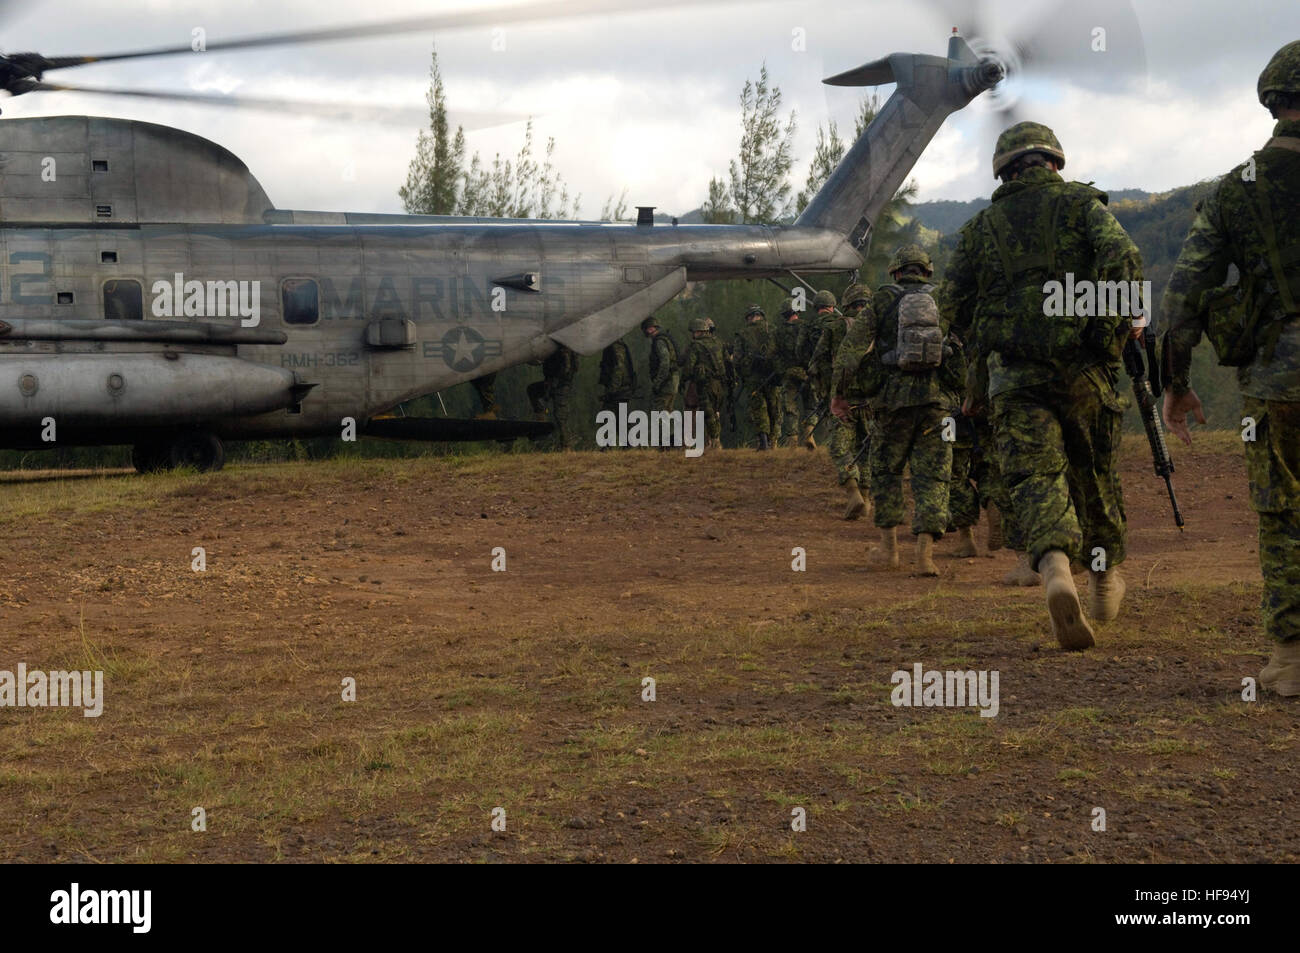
518 695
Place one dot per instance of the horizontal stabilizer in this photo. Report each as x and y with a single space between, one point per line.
450 429
161 332
876 73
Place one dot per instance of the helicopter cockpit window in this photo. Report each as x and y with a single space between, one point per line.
123 300
301 301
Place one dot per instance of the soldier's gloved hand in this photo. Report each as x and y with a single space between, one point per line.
840 408
1176 409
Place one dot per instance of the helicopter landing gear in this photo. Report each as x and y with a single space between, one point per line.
198 449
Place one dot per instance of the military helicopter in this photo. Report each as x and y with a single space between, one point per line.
130 247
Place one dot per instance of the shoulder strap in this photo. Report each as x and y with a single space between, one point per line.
1283 142
999 229
1262 214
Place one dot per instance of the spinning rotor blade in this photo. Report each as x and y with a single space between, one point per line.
469 119
459 20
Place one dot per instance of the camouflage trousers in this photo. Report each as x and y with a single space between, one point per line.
765 410
610 401
666 398
557 395
1058 451
790 413
992 489
964 492
845 442
709 397
911 437
1273 465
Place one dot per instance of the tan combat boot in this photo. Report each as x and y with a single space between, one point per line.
925 555
1070 628
996 540
807 437
1105 591
965 543
1022 575
856 504
885 556
1282 673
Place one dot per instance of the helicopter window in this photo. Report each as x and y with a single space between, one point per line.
301 300
108 257
98 165
64 297
123 300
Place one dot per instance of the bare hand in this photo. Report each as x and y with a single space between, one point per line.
840 408
1176 409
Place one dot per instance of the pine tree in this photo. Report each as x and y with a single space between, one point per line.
760 175
433 178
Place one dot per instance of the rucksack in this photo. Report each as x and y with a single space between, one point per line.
919 346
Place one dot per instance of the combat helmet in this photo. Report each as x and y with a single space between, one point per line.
650 322
854 294
788 308
753 310
910 255
823 299
1282 74
700 324
1023 138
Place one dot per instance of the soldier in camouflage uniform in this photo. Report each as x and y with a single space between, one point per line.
617 377
1249 220
665 369
555 389
1051 380
963 492
486 388
908 410
846 439
756 360
704 374
794 344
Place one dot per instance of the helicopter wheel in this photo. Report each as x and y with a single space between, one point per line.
150 457
199 449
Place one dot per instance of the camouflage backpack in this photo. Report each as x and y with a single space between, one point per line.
920 337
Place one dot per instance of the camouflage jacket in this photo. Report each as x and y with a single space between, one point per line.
1226 231
828 343
756 354
663 361
561 365
704 362
617 375
849 366
791 349
1038 229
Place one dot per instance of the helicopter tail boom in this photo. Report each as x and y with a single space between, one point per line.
929 89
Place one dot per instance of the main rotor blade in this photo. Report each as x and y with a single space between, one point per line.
1097 46
469 119
460 20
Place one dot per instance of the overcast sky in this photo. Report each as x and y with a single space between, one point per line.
647 101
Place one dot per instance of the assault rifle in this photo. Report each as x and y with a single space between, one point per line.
1137 364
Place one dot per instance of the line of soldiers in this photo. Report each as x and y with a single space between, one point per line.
991 402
